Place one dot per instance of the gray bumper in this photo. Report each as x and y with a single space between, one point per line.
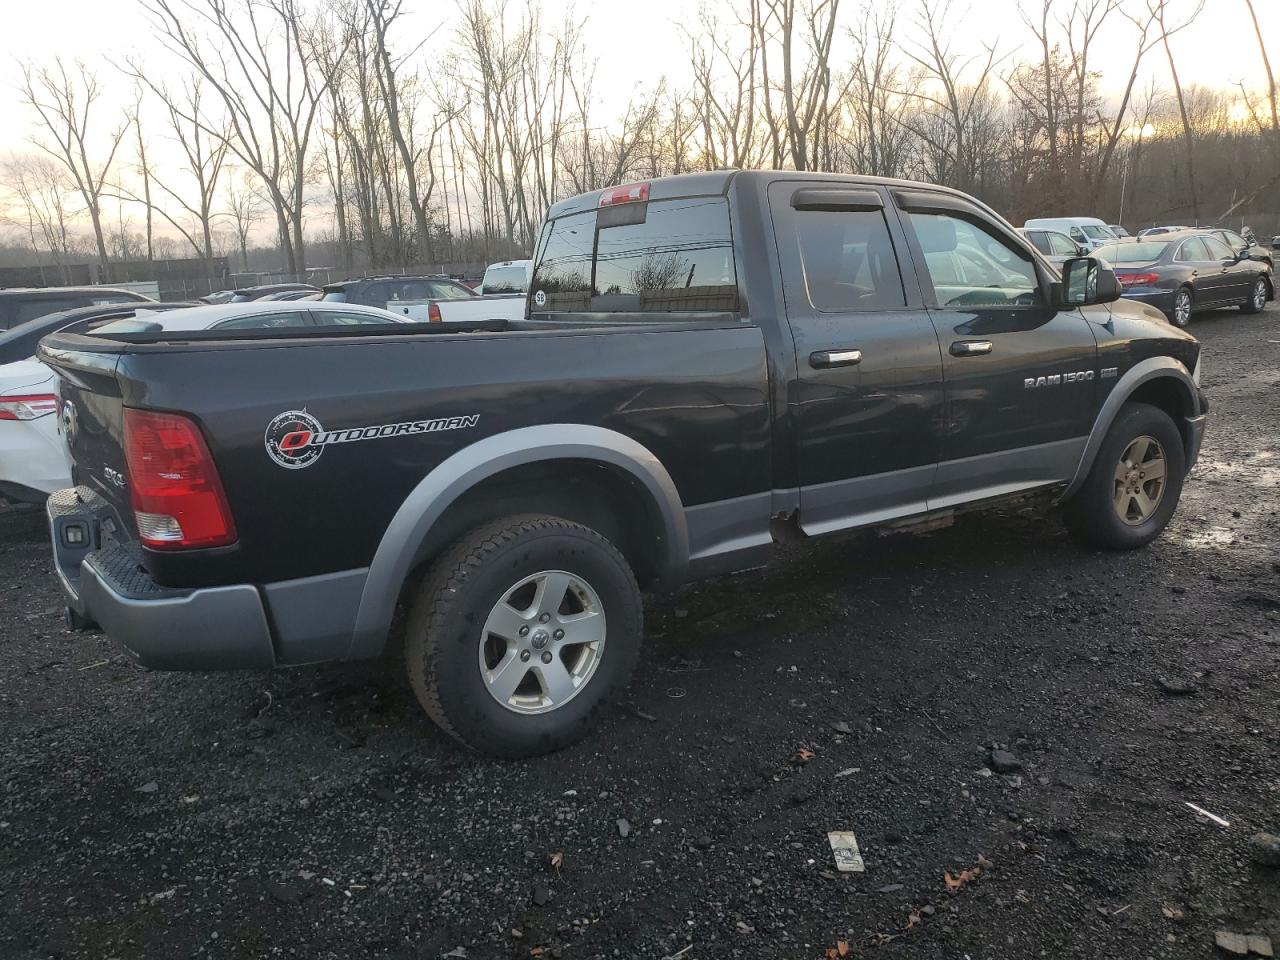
219 628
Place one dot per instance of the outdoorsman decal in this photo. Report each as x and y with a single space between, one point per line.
295 439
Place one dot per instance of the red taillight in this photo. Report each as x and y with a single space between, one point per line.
628 193
28 408
433 313
1138 279
177 497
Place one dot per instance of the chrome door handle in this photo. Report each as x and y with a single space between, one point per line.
835 358
970 348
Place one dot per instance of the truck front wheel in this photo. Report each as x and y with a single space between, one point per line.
1134 485
521 633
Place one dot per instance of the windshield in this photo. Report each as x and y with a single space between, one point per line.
505 280
1118 254
1097 233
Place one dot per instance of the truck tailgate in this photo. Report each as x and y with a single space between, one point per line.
92 422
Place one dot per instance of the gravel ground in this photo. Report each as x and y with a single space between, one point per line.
859 685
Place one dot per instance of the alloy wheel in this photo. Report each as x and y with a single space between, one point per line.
1182 308
542 642
1260 295
1140 480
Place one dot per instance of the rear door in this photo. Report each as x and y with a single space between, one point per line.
1020 375
869 399
1209 280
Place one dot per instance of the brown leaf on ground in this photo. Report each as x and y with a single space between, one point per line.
959 880
804 754
556 860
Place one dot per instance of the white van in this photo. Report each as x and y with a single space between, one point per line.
1088 231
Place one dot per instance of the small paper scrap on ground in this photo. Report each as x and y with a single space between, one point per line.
845 847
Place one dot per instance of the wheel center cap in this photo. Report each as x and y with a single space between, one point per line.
540 639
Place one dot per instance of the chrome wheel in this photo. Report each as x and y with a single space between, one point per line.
1140 481
1182 308
542 642
1260 295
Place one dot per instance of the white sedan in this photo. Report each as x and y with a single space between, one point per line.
34 461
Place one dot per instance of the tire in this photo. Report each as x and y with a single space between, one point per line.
1258 296
1183 303
461 638
1093 514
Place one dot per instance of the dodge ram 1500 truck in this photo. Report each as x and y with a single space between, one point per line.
709 362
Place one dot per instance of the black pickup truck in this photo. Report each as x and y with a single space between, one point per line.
709 363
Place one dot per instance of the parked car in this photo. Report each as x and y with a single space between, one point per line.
1057 247
427 299
1161 231
33 460
1120 232
286 295
218 296
380 291
853 353
1244 246
270 290
508 277
19 305
1088 231
20 343
1183 273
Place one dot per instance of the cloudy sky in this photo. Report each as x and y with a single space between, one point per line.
635 44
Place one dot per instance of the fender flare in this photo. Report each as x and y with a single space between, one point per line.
397 552
1153 368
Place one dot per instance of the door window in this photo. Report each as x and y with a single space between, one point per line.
332 318
971 266
264 321
1193 250
849 261
1061 246
1040 241
1218 250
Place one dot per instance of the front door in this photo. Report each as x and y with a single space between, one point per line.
1021 377
1237 274
868 394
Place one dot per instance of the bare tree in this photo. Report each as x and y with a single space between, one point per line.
260 59
244 208
38 185
1159 11
65 106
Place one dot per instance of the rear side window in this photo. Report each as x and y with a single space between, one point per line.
1040 241
849 262
678 258
31 309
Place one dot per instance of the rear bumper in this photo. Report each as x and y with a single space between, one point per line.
212 628
1162 300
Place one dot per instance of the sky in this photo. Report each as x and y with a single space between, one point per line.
635 43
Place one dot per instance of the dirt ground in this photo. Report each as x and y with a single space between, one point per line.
316 813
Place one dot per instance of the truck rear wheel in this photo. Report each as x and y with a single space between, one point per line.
521 633
1134 485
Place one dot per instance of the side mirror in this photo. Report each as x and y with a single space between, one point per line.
1086 281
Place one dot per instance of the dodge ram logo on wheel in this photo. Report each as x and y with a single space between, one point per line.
289 439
